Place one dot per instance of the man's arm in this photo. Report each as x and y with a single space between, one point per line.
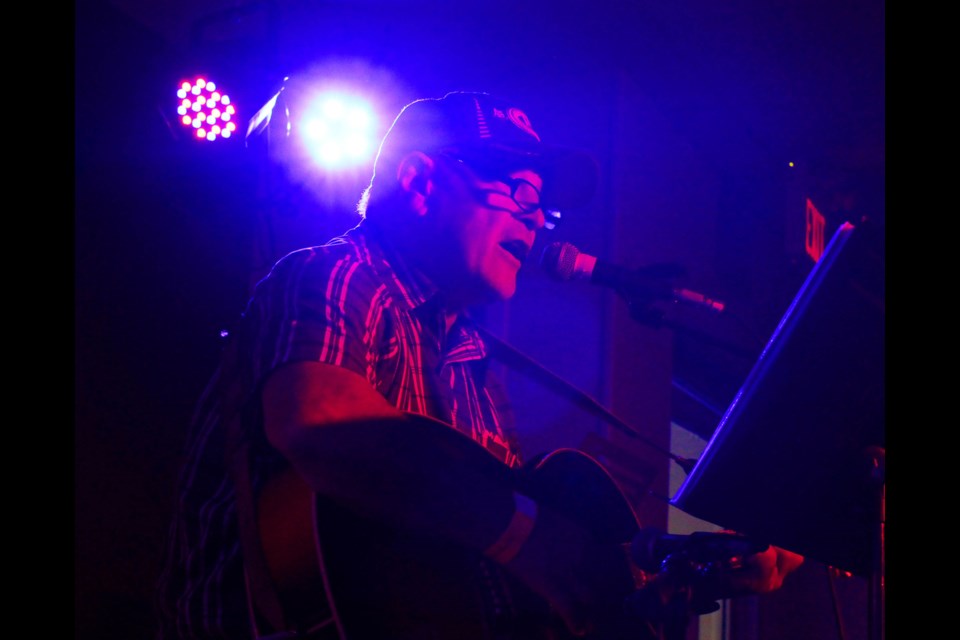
350 444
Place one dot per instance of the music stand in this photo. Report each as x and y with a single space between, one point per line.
797 458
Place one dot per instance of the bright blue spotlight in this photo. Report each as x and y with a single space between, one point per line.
339 131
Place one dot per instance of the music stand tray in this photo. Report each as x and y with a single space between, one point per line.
792 461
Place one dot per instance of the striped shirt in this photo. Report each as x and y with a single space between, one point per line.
354 303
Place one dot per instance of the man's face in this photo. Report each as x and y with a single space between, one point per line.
485 226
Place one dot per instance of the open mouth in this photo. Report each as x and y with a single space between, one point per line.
517 248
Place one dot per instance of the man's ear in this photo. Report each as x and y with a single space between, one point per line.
415 175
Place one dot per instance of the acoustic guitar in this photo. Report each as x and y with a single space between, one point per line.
338 574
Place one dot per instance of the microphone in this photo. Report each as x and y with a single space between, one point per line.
565 262
650 548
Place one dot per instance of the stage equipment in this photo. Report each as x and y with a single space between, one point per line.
797 460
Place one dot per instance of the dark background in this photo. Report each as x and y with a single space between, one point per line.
693 108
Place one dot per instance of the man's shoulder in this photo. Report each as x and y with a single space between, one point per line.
349 247
351 255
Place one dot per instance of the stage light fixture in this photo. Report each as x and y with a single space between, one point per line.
205 110
317 136
319 131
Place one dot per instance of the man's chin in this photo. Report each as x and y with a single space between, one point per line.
497 289
505 291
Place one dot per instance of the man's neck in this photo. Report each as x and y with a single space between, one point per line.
417 253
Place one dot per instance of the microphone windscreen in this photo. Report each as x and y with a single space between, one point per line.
559 259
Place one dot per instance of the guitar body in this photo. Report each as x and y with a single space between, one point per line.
357 577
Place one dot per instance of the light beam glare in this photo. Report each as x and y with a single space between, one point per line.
337 130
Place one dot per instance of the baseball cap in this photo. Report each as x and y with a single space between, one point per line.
495 131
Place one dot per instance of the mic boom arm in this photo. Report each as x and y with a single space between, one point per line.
526 365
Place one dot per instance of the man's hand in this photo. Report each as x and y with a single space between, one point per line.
757 573
689 582
762 572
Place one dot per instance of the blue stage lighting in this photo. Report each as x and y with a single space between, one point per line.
338 130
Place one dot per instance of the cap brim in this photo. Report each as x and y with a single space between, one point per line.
570 176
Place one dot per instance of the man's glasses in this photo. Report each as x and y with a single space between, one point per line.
523 192
528 200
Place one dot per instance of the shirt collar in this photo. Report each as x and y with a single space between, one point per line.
408 284
413 287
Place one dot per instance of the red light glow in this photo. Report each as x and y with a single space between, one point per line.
202 106
814 236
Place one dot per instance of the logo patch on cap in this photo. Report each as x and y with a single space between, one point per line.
518 118
521 119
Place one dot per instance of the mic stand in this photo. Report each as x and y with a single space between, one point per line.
672 606
523 363
673 616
